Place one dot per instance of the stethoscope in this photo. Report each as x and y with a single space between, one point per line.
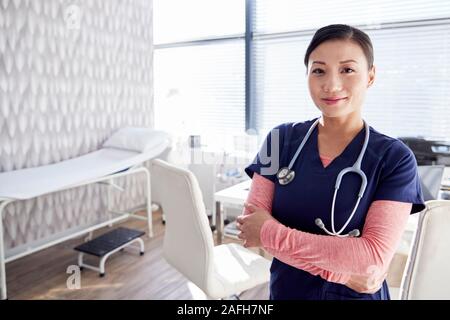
285 176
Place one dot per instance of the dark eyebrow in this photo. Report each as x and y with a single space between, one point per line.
345 61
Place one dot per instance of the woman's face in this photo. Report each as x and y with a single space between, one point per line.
338 77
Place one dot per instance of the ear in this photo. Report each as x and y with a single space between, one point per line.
371 77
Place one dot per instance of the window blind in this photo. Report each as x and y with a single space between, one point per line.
200 89
199 67
272 16
181 20
412 56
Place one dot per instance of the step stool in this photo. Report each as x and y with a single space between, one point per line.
107 244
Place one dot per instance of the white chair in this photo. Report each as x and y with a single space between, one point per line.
426 273
220 271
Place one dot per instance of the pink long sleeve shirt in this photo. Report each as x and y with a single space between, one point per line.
334 259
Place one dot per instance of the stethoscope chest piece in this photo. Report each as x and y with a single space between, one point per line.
285 176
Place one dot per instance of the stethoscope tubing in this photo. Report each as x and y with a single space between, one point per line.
286 175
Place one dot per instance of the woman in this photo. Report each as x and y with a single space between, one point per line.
325 248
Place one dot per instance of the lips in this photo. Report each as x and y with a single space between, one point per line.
333 100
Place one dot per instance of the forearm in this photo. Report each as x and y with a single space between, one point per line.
310 268
333 258
261 195
371 252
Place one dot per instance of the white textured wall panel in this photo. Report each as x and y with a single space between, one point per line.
65 85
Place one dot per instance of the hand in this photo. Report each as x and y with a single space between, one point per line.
366 284
250 225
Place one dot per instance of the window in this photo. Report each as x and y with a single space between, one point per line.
181 20
200 89
274 16
412 56
199 66
201 70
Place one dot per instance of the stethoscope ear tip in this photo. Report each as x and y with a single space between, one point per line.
319 223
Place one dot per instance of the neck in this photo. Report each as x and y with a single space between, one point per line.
349 124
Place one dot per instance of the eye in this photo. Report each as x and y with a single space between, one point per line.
348 70
317 71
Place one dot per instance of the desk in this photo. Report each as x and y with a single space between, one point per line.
236 194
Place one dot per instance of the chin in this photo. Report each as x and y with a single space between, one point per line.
328 115
333 113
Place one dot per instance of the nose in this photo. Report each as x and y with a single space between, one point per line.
332 83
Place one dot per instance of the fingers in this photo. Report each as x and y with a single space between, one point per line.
241 236
249 244
361 288
239 227
250 207
240 221
370 290
363 284
374 290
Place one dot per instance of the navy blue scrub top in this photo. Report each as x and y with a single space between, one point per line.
391 171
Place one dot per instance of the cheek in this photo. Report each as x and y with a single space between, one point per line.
357 86
314 86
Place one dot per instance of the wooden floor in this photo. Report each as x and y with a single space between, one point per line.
43 275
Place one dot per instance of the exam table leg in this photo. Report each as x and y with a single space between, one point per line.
149 204
108 199
3 295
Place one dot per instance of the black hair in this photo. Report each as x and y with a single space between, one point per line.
341 32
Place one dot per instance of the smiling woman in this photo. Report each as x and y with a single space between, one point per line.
292 219
340 70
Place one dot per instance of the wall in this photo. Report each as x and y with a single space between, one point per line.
65 85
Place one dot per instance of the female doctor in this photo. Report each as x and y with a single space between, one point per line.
334 206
